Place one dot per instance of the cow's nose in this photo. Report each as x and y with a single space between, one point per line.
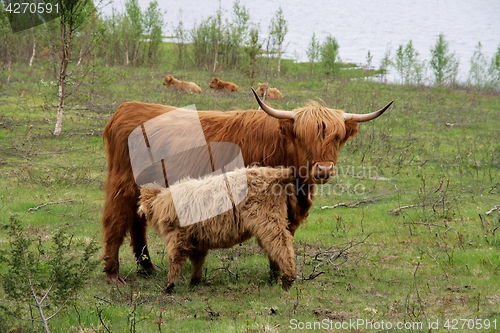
324 171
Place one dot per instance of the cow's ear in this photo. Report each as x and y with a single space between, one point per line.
351 129
286 128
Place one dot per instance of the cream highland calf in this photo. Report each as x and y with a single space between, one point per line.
270 212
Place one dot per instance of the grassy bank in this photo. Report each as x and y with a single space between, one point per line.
404 236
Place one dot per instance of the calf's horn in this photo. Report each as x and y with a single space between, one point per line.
360 118
280 114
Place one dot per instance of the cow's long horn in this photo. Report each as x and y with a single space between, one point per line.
280 114
360 118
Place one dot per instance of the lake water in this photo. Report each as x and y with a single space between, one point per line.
362 25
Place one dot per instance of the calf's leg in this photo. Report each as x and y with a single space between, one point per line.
177 257
277 243
274 271
197 260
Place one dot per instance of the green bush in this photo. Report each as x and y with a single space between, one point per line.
443 63
43 277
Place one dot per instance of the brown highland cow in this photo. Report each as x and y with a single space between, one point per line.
308 138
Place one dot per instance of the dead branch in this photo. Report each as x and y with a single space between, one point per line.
397 210
356 203
492 210
313 274
334 254
48 204
428 225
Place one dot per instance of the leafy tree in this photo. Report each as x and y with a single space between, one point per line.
277 32
313 52
181 41
330 55
386 62
478 68
494 69
133 29
206 38
253 50
408 65
74 14
153 23
369 59
443 63
237 34
219 43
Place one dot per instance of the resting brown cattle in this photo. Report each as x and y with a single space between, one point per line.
271 93
177 85
270 212
308 139
218 84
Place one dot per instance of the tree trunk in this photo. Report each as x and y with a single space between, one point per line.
9 71
279 61
215 57
60 107
34 47
67 43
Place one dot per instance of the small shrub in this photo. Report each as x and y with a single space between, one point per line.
408 65
42 276
443 63
330 55
478 69
313 52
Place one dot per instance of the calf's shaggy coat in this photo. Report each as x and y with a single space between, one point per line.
270 211
271 93
218 84
177 85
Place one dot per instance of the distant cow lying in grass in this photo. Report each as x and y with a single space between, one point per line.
271 211
218 84
173 84
272 93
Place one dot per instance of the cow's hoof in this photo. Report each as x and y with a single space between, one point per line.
169 288
195 281
116 279
147 270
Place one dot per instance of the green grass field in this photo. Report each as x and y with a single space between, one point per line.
404 239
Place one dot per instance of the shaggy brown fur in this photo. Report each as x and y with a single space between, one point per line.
315 135
177 85
270 212
218 84
272 93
